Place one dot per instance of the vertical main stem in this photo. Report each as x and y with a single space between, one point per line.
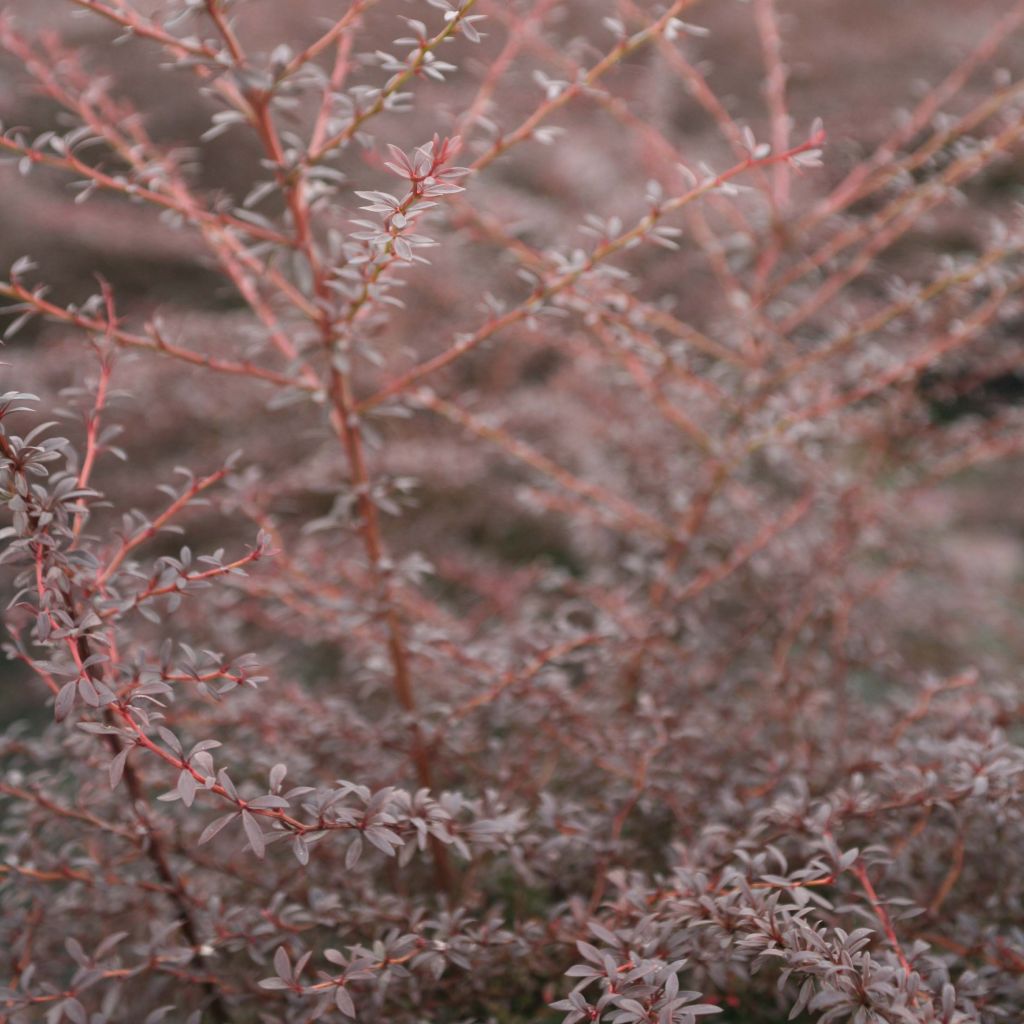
346 422
173 884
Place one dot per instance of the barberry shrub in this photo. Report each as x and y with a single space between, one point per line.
528 593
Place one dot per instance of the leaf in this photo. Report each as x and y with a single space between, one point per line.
215 826
170 739
65 700
225 780
204 745
187 787
116 769
88 692
74 948
384 839
283 964
344 1003
353 853
269 802
108 944
584 971
603 933
254 834
75 1011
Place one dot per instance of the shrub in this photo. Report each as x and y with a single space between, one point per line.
574 636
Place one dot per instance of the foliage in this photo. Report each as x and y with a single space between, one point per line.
561 643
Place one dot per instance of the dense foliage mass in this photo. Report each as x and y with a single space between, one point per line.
567 638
